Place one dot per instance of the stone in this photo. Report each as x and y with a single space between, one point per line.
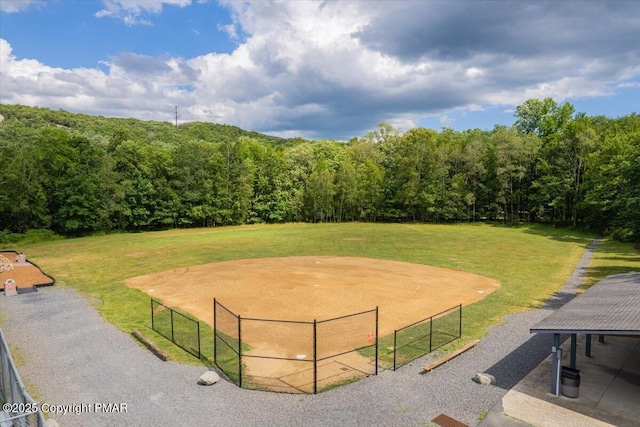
485 379
209 378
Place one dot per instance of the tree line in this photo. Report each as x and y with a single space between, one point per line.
75 174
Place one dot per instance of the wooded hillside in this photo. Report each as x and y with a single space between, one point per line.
76 174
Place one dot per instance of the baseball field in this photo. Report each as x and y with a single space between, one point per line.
308 271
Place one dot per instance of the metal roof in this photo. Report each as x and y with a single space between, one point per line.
612 306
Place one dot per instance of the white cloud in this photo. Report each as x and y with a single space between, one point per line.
446 120
633 85
129 11
335 69
473 72
14 6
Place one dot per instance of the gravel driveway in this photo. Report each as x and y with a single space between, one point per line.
74 357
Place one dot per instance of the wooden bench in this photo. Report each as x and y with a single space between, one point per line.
450 356
150 345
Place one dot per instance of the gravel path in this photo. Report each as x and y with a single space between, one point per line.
74 357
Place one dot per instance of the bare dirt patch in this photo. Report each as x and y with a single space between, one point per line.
24 274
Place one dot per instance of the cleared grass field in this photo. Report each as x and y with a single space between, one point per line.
530 262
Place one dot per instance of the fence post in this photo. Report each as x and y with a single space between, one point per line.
395 347
460 329
215 352
172 339
430 333
152 324
239 354
199 352
315 357
377 341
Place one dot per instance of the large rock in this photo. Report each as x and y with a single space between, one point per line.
209 378
485 379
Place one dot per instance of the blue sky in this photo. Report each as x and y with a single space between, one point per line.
320 70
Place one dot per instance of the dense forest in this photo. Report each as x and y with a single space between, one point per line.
76 174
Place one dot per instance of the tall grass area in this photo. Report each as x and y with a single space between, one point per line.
531 262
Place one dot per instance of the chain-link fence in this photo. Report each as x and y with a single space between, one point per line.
294 356
23 410
312 356
347 348
227 351
420 338
182 330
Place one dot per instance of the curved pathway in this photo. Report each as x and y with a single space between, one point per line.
73 357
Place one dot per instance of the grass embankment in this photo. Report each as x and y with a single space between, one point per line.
530 262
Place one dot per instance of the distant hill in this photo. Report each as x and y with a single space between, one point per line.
145 130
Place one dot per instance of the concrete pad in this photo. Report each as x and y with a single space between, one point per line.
608 395
538 412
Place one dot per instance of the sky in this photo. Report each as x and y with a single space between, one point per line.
320 69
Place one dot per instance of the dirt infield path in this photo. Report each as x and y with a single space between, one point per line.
73 357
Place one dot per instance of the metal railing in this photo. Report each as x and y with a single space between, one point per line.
13 392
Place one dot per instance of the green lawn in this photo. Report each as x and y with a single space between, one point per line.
531 262
612 257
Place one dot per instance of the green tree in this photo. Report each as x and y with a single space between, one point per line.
612 180
320 191
82 190
414 169
193 183
474 169
23 196
346 190
516 156
544 117
234 181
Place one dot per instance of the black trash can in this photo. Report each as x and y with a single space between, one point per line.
570 381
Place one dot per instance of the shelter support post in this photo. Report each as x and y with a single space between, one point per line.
556 352
572 360
587 350
601 339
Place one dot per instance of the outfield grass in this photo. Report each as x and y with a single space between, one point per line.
531 262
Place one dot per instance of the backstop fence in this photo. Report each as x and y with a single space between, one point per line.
18 408
295 356
422 337
182 330
292 356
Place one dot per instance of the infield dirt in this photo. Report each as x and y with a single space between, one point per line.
316 287
304 289
308 288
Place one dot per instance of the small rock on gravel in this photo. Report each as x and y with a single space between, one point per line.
209 378
485 379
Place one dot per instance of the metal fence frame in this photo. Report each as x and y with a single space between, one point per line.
172 336
429 319
441 329
237 350
13 391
